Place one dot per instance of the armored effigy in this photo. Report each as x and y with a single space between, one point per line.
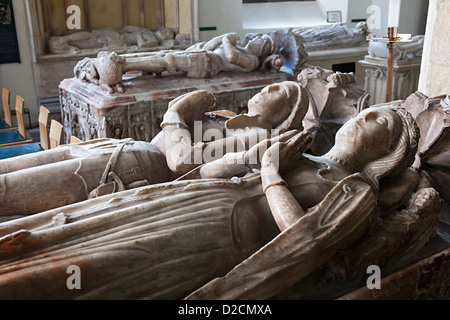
224 53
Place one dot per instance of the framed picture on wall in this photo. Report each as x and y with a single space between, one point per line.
334 16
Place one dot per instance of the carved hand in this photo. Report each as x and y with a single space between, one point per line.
193 106
233 38
426 200
282 155
253 156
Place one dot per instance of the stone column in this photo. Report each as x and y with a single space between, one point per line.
435 71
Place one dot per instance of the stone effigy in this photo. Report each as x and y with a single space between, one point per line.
287 44
223 53
90 113
332 36
140 100
75 173
132 37
266 276
277 109
404 51
244 238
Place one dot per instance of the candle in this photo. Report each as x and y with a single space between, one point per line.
394 12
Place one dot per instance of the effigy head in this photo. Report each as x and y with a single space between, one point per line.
260 46
281 105
383 140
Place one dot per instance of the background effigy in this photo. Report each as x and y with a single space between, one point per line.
408 61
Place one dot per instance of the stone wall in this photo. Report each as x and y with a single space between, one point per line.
435 72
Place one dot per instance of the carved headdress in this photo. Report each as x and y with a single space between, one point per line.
401 153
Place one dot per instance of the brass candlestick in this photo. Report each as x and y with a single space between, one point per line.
392 39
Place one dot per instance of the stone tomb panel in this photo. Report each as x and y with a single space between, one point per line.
90 113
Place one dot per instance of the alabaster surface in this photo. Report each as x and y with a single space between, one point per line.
404 51
74 173
225 53
131 37
89 112
105 166
332 36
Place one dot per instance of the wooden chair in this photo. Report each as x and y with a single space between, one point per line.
7 123
74 140
44 144
56 134
19 136
44 120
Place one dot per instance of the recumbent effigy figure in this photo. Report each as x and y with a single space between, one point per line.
244 238
74 173
128 37
222 53
332 36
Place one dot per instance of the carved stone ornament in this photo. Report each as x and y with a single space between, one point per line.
334 98
432 160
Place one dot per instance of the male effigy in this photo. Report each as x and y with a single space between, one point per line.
202 60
